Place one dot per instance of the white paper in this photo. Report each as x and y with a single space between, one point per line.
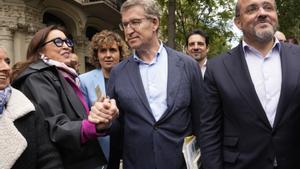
191 153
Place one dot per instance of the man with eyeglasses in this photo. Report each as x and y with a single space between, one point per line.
253 116
158 90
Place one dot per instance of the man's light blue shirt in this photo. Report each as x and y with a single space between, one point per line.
155 77
266 75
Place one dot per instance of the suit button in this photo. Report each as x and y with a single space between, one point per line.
156 127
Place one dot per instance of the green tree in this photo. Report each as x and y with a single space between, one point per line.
212 16
171 23
289 17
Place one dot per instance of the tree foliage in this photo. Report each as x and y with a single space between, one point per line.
212 16
289 17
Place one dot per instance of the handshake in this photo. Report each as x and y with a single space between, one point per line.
103 112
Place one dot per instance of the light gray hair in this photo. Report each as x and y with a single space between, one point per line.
151 7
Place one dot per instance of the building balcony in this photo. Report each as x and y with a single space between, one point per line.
114 3
107 10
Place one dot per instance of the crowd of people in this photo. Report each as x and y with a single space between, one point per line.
143 98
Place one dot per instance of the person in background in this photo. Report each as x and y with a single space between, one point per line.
74 62
292 40
24 141
107 49
53 87
197 46
280 36
252 92
15 69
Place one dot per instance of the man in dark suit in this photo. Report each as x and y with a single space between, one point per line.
253 116
158 92
197 46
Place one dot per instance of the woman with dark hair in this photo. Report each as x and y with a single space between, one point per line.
24 142
53 87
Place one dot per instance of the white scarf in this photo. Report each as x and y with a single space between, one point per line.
65 69
58 64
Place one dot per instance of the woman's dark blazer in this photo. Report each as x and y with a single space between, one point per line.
63 111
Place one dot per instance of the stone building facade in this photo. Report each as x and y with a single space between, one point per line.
20 19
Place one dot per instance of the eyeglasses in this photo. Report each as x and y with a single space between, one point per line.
268 7
59 42
133 24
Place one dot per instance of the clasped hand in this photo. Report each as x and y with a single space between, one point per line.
103 112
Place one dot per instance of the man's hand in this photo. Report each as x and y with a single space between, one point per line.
103 112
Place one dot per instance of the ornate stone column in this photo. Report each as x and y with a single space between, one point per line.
17 26
31 30
81 49
6 41
22 36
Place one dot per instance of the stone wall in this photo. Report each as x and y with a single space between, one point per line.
20 19
18 22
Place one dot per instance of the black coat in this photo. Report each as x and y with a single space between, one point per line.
64 113
39 153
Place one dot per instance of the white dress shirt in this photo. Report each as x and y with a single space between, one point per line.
266 76
155 78
203 68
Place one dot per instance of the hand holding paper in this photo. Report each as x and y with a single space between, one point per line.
191 153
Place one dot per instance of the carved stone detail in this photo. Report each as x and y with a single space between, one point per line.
81 41
20 18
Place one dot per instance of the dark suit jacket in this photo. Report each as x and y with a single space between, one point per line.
150 144
235 132
64 112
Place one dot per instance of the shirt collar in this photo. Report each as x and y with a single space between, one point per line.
246 46
140 61
205 62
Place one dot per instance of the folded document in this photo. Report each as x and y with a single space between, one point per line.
191 152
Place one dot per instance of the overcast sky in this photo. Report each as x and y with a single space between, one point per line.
237 34
236 31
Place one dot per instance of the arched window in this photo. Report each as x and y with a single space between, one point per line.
50 19
90 32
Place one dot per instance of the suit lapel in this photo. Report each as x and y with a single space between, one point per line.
135 79
289 81
237 67
174 76
72 97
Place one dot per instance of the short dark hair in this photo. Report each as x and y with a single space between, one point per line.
198 32
292 39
